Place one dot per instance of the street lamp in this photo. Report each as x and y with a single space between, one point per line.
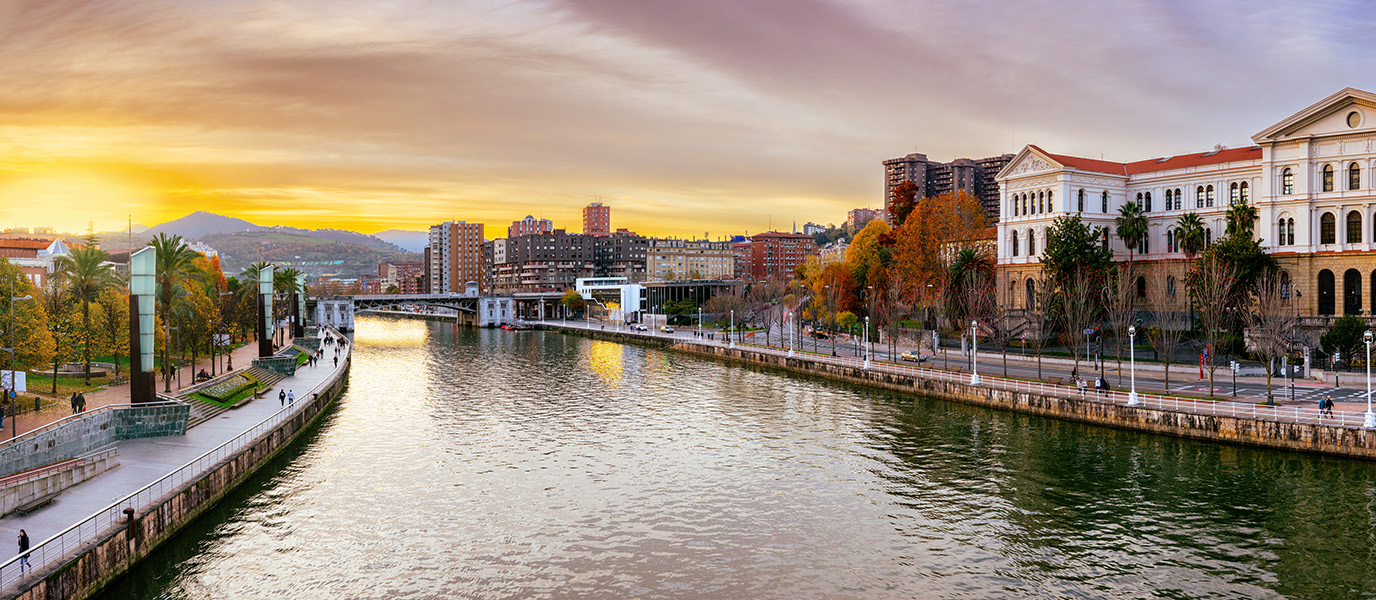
1370 416
867 341
792 326
729 337
1132 352
974 349
699 322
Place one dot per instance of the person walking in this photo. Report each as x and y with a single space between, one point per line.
282 397
24 551
291 397
336 360
81 402
74 411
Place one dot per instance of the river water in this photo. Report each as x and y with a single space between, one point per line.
490 464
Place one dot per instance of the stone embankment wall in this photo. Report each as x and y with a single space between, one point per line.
96 565
89 431
26 488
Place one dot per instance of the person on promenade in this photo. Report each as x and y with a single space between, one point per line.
291 397
24 551
74 410
1327 408
282 397
81 402
336 360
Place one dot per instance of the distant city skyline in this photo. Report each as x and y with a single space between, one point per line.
709 116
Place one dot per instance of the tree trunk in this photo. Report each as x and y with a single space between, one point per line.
86 339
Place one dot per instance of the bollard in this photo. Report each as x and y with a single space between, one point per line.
128 515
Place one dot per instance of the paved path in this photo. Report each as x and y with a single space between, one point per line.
144 461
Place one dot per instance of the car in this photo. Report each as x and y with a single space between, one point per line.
639 327
667 329
911 357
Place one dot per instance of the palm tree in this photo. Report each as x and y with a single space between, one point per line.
284 283
176 266
86 274
1189 232
1242 217
970 268
1131 227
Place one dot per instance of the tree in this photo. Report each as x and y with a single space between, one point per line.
683 312
1078 309
1074 247
1344 338
866 252
63 322
1120 308
1169 326
573 302
176 267
1131 224
86 274
30 337
112 321
1273 324
1189 233
1039 314
1242 217
971 278
904 201
1211 283
937 228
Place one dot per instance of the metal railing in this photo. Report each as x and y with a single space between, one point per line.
1201 406
41 472
90 529
28 435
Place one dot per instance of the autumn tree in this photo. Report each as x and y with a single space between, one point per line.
30 338
938 227
904 202
111 317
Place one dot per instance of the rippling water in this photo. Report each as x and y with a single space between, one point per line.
490 464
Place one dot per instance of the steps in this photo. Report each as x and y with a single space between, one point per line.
202 411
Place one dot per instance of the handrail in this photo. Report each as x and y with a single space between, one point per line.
44 471
57 546
23 437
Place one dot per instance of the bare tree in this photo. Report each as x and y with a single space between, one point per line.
1273 323
1001 332
1211 286
1078 310
1170 323
1120 308
1039 315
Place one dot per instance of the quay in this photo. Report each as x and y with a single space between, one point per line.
1250 424
83 540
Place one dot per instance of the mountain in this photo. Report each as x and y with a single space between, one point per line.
412 241
342 235
200 223
312 255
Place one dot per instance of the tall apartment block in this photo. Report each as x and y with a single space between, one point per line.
858 218
975 176
530 226
775 254
456 256
597 219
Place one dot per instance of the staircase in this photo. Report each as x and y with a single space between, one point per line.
202 411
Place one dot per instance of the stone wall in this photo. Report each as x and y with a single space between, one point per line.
96 565
14 495
90 431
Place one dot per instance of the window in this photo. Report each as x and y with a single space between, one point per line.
1170 286
1208 236
1170 240
1354 177
1233 196
1326 287
1290 235
1031 294
1284 284
1354 227
1139 199
1169 197
1142 246
1328 178
1147 208
1081 205
1141 287
1104 202
1050 201
1024 203
1209 196
1328 229
1243 189
1199 197
1015 243
1287 181
1104 238
1280 233
1041 202
1178 199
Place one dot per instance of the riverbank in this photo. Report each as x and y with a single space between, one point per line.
1286 428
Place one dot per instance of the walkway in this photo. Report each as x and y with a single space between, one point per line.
145 461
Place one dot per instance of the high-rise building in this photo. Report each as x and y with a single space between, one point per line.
670 259
858 218
776 254
456 256
934 178
542 262
621 254
529 225
597 219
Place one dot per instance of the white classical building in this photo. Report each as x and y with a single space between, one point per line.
1311 176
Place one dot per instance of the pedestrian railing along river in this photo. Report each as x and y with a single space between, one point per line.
93 528
1247 410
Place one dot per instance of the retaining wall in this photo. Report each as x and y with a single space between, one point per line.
98 563
14 495
89 431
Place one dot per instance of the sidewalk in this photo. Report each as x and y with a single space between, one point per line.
144 461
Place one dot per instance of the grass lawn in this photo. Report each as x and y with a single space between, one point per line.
65 387
231 401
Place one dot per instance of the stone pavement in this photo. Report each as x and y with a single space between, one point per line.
143 461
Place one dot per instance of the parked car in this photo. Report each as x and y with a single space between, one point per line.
639 327
911 357
667 329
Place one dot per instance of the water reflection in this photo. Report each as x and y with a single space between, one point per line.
605 359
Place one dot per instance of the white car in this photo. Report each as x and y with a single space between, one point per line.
667 329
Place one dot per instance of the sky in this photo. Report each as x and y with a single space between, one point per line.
695 117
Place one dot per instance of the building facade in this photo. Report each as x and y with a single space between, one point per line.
597 219
408 277
669 259
858 218
978 177
549 262
1312 178
456 256
776 254
529 225
621 254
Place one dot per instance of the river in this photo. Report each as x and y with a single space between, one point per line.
491 464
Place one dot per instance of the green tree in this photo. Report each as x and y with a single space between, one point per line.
683 312
1344 338
112 321
573 301
1189 233
176 268
1242 218
971 280
86 274
1131 227
30 338
904 201
1072 246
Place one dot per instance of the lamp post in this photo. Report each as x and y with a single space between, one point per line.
974 349
867 341
792 333
732 339
699 322
1132 353
13 376
1370 416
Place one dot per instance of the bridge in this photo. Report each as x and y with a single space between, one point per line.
472 309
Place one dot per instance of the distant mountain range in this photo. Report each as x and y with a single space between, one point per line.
412 241
201 223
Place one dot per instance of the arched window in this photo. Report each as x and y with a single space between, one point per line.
1015 206
1233 194
1328 233
1327 178
1031 295
1290 232
1169 197
1354 227
1024 204
1147 208
1031 243
1354 177
1170 286
1352 292
1178 199
1142 245
1141 287
1080 206
1243 190
1208 236
1041 202
1139 199
1287 182
1170 240
1014 242
1209 196
1050 201
1280 232
1326 289
1199 197
1104 238
1104 202
1284 284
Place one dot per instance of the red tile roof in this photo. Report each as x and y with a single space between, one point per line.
1155 164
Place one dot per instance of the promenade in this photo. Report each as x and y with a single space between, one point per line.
88 510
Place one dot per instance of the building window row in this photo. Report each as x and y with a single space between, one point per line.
1032 203
1354 177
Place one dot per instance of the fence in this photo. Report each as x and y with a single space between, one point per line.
92 528
1261 412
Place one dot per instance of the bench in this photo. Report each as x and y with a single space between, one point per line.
1054 380
35 504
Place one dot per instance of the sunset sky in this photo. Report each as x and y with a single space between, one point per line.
686 116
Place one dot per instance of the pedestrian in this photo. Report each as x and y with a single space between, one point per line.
282 397
1329 408
291 397
336 360
24 551
81 402
74 411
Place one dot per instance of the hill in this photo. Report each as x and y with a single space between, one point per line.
412 241
311 255
198 224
